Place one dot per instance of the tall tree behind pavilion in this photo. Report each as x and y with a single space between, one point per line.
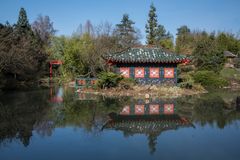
126 34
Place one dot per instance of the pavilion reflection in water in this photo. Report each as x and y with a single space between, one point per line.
149 118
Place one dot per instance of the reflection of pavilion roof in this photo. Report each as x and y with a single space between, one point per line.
146 123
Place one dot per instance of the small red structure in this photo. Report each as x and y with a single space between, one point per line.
53 62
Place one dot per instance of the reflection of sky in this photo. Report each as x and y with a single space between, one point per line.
60 92
198 143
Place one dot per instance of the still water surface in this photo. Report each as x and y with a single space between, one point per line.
60 124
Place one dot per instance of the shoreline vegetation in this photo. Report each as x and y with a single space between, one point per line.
114 85
145 91
191 83
152 91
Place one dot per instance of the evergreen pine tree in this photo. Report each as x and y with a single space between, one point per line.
28 50
126 33
164 38
183 30
160 33
151 26
184 40
23 20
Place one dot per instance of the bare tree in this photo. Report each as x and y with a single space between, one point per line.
103 29
44 27
78 32
88 28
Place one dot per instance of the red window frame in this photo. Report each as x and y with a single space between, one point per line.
155 70
167 70
139 109
125 110
168 108
81 82
93 82
125 72
137 75
154 109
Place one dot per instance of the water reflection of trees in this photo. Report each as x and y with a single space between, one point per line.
209 110
88 114
19 113
217 108
25 112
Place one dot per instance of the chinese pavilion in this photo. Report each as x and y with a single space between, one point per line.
148 65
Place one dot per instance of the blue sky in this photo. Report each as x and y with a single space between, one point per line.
223 15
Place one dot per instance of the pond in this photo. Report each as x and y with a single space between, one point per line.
58 123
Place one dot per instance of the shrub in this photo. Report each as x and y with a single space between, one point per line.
198 87
187 68
208 55
187 85
185 77
186 81
108 79
209 79
126 83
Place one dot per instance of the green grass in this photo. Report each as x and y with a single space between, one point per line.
230 74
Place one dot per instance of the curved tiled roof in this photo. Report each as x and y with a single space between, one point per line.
146 55
229 54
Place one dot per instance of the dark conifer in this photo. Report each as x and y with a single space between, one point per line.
151 26
126 33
